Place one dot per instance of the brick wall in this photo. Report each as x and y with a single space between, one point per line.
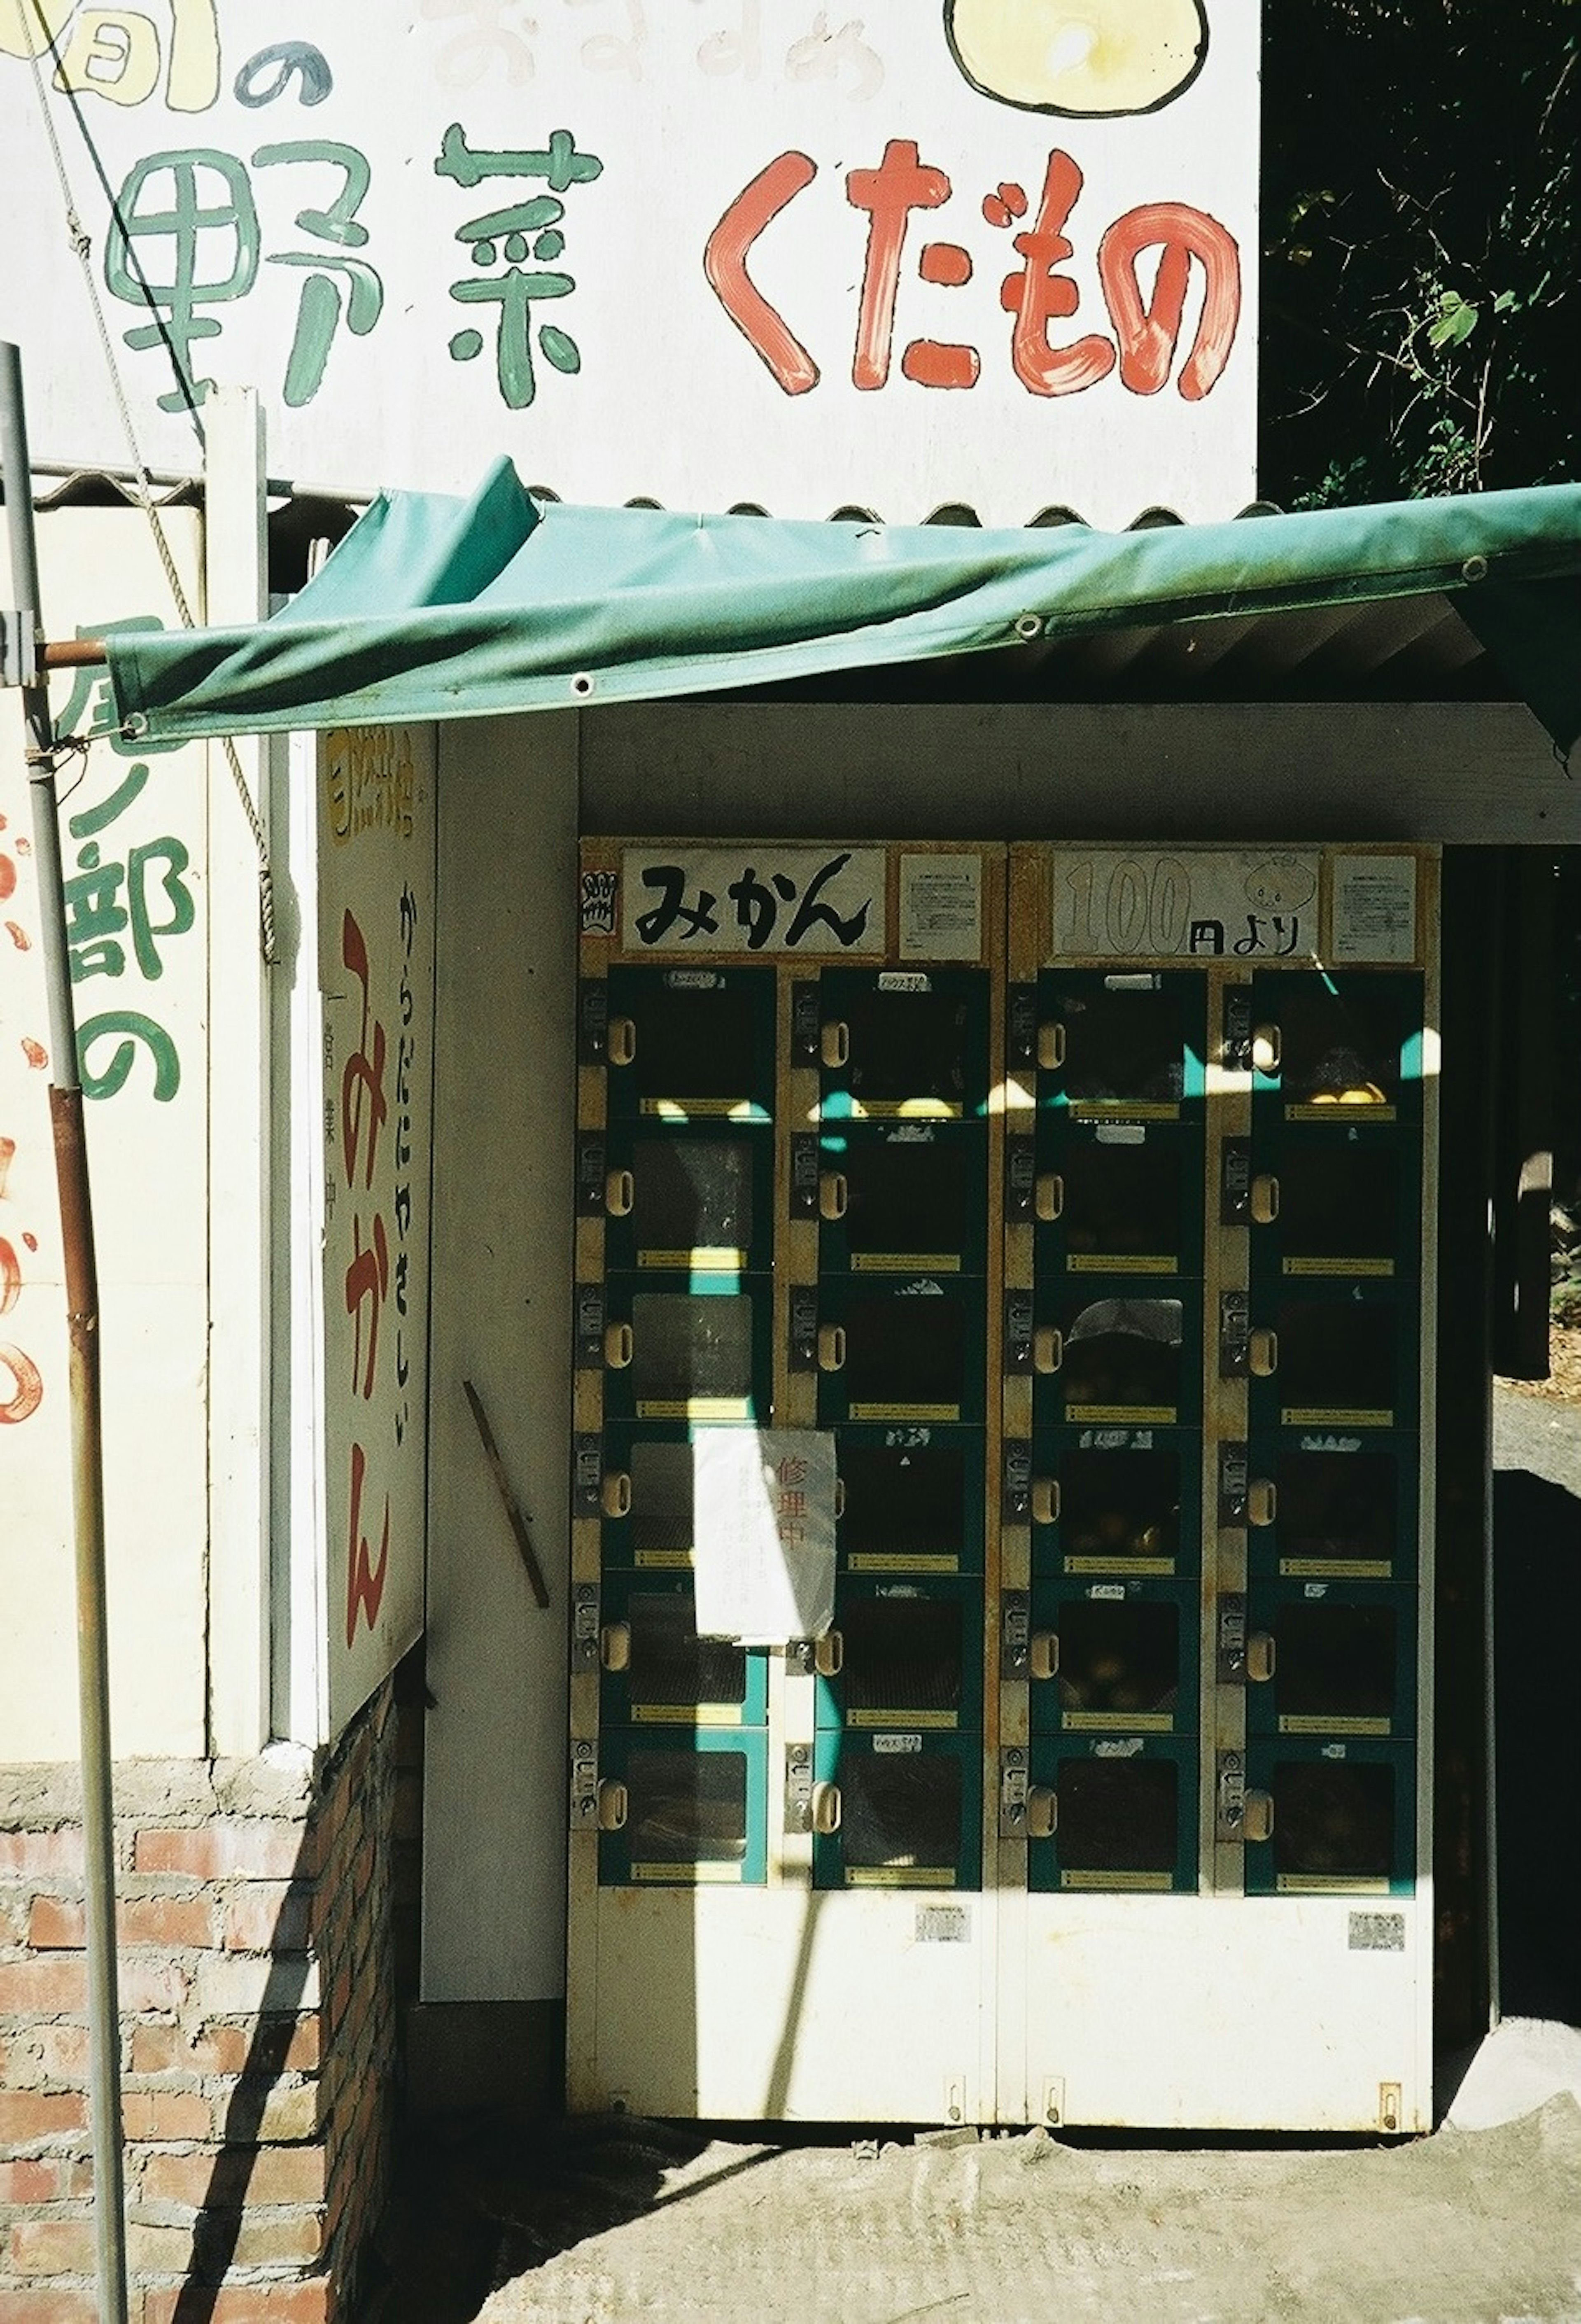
258 1918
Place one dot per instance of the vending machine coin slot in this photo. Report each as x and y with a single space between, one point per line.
1235 1207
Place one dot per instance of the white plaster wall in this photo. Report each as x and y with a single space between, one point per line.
504 1115
152 1160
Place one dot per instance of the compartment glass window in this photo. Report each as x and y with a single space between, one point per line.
1338 1353
698 1044
662 1516
1121 1200
685 1344
1119 1659
905 1196
670 1663
903 1502
1333 1818
1339 1202
900 1812
1120 1503
1119 1816
1335 1662
1122 1047
692 1194
906 1046
1336 1505
906 1352
686 1807
1125 1352
1338 1047
900 1653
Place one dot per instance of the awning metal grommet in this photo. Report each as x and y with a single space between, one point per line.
1029 626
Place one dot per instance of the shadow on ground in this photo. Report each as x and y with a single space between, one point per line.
484 2198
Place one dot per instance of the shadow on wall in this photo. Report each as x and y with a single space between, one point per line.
1537 1632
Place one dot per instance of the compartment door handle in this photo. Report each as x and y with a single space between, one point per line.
618 1347
620 1193
831 1347
826 1809
620 1041
1049 1196
614 1646
829 1655
1263 1353
615 1495
1048 1348
1045 1500
1257 1817
1042 1812
1043 1654
833 1194
1261 1656
1267 1049
1264 1198
1051 1047
834 1043
1262 1500
612 1805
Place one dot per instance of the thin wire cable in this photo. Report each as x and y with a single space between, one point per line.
82 245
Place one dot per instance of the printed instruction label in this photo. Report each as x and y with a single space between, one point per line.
1374 907
941 907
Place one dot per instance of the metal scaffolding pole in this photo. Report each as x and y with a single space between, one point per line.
82 1301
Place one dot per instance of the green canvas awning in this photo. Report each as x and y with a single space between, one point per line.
433 607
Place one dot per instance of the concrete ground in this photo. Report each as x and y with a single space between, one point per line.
601 2221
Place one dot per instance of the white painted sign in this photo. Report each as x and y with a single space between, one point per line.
752 899
764 1538
376 970
998 252
135 856
1193 905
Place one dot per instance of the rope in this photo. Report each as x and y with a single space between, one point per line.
82 245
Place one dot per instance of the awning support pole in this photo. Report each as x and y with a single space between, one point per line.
82 1302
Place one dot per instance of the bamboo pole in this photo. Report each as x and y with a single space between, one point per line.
82 1302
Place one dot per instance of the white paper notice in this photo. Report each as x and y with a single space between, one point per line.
1374 907
764 1537
941 907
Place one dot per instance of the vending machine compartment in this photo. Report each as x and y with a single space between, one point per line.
899 1349
1120 1045
902 1199
1334 1046
897 1808
1329 1505
1116 1354
1340 1202
655 1670
909 1500
693 1198
1330 1658
1333 1355
904 1044
1111 1197
902 1653
683 1807
1330 1817
691 1042
1111 1656
687 1347
1113 1812
1121 1501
